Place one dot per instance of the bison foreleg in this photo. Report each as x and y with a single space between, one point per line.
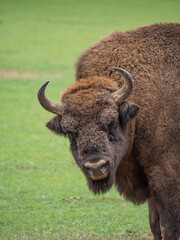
154 220
169 231
170 235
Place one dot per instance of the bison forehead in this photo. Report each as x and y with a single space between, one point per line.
82 100
88 95
88 103
88 116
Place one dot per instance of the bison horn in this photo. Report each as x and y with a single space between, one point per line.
121 94
48 104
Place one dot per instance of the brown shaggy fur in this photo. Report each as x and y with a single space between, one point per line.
144 148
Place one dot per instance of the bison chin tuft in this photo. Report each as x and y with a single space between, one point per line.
100 186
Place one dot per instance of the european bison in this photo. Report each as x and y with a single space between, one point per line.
134 143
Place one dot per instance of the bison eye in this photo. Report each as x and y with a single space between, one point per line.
72 138
112 132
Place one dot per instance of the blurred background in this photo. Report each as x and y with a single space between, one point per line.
43 194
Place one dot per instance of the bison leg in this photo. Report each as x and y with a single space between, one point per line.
154 219
170 235
170 231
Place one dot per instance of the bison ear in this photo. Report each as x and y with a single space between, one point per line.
54 124
127 111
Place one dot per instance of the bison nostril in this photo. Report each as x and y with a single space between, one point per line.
103 168
90 171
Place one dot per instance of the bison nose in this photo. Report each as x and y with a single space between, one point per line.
97 170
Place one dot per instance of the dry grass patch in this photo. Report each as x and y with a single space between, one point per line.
28 74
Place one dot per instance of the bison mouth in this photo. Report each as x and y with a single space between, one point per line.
102 185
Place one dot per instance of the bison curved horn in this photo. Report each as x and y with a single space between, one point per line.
48 104
121 94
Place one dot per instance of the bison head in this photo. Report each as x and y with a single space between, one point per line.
98 122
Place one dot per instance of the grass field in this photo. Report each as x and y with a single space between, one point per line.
43 194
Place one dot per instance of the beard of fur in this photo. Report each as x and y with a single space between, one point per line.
101 186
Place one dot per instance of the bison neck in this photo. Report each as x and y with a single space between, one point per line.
131 180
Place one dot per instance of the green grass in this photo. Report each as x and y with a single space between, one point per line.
43 194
